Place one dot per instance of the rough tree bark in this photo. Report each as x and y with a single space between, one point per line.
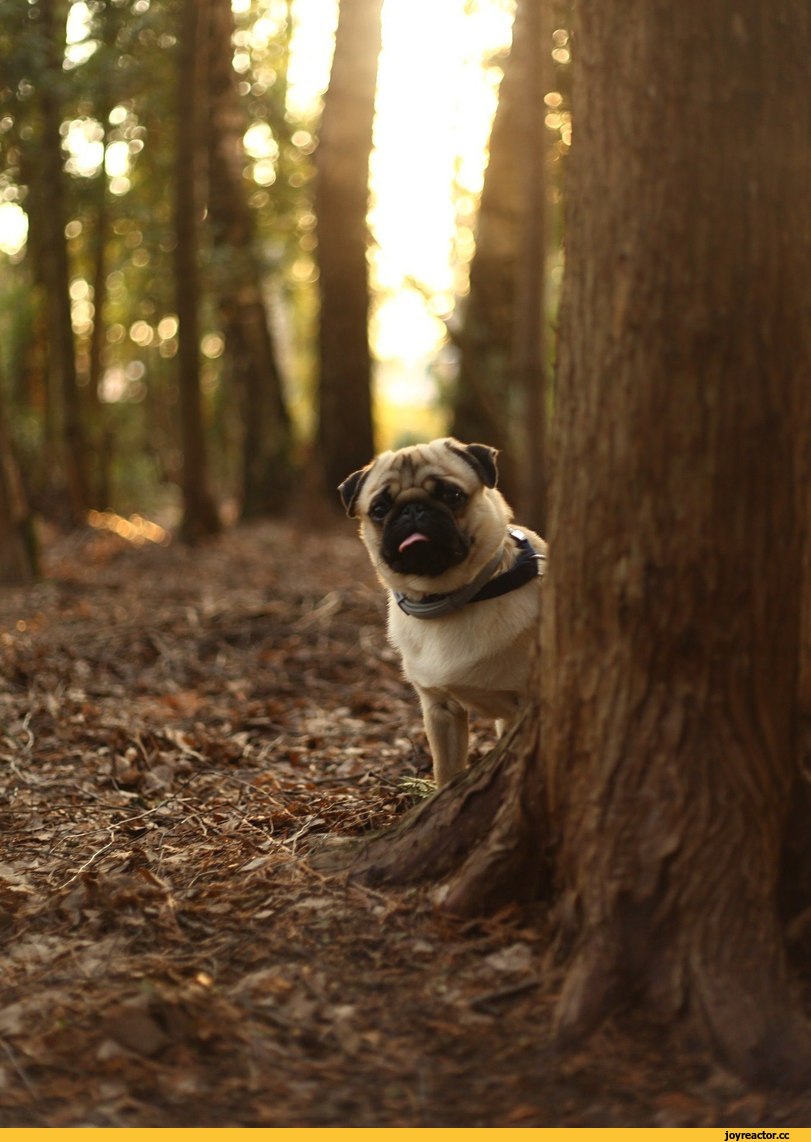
199 512
249 348
345 434
673 603
673 608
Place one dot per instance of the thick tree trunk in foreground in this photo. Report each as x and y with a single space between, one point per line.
674 599
673 605
345 435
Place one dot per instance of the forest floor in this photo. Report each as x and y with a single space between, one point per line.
175 726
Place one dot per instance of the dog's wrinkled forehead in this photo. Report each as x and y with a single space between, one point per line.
419 467
410 469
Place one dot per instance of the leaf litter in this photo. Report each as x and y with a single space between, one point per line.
175 724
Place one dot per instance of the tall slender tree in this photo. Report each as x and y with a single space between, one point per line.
487 399
532 38
18 553
108 19
50 215
200 516
345 429
249 347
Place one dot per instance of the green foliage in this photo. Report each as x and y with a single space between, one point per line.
112 67
116 84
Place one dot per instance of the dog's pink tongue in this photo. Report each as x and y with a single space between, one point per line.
415 537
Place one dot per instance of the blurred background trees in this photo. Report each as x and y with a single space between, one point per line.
238 257
345 427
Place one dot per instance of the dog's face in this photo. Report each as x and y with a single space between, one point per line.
430 515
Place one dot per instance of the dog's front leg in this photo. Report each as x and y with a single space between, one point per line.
446 726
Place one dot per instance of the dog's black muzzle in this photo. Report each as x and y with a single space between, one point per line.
421 537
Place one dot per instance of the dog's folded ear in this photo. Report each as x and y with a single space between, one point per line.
481 457
349 490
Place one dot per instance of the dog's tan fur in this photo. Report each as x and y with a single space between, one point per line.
477 658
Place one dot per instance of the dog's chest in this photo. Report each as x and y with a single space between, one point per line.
482 647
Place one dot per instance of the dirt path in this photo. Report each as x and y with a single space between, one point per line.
173 725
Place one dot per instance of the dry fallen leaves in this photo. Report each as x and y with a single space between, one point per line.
173 725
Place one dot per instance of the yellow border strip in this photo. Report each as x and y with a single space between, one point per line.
426 1134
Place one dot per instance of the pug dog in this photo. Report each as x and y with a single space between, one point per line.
464 584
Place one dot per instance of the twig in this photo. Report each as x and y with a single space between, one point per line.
83 868
23 1077
486 1003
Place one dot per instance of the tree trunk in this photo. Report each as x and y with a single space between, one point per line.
101 429
199 513
345 432
502 800
678 526
674 600
485 402
100 421
249 346
533 24
18 552
55 272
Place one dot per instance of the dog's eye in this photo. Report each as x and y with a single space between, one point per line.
380 508
452 497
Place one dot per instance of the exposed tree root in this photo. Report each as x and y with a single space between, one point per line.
594 985
755 1026
486 839
749 1017
482 831
512 862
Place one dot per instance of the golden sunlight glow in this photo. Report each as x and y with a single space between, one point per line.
13 228
136 529
437 92
434 106
314 23
435 102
